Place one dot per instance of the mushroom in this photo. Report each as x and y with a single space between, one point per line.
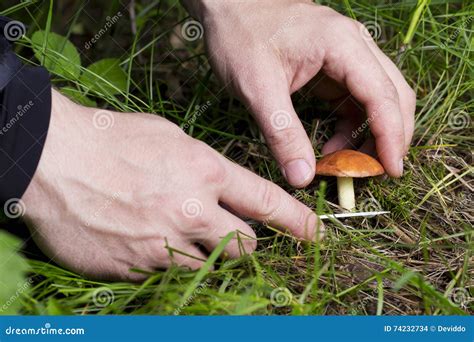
345 165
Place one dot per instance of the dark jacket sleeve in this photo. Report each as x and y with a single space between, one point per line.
25 109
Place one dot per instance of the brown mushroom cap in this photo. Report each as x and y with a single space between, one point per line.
348 163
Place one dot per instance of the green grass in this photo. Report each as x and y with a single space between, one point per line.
417 260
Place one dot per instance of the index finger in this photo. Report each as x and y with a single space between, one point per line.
262 200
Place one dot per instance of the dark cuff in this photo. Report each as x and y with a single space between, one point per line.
25 110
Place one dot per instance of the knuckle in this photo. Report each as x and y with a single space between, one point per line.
358 30
201 226
209 165
399 137
159 124
165 124
328 11
301 218
303 222
285 141
284 136
389 91
346 24
302 7
357 25
269 200
322 41
210 229
193 215
215 173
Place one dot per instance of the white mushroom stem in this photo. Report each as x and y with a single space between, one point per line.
345 192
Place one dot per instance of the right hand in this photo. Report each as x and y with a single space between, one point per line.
266 50
103 201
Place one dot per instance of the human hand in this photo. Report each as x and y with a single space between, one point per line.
266 50
113 190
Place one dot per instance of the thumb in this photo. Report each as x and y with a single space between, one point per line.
284 133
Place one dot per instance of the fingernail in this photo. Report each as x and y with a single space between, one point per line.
297 172
400 166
